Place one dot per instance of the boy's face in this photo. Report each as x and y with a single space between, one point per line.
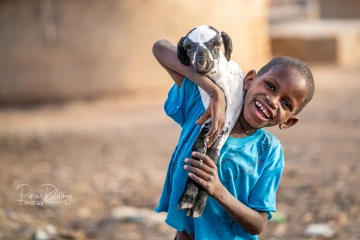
273 98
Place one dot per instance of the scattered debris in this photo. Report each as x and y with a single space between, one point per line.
92 230
320 229
137 215
47 232
307 217
280 230
278 217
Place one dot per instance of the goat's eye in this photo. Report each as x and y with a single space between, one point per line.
187 46
217 44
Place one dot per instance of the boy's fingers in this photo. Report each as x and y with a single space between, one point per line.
205 158
213 134
198 164
198 172
211 140
203 118
197 179
213 129
199 155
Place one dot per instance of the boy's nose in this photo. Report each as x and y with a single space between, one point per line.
272 101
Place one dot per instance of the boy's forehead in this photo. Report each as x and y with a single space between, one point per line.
289 78
286 75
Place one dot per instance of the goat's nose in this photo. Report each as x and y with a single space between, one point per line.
201 63
200 51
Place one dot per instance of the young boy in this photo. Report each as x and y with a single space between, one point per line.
242 185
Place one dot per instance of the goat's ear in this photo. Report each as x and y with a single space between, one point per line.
227 44
182 53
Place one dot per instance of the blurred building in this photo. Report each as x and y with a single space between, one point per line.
317 31
56 50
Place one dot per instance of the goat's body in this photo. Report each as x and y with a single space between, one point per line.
226 74
229 78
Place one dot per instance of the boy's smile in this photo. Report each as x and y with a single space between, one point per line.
272 98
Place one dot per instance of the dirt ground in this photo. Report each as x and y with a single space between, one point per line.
114 152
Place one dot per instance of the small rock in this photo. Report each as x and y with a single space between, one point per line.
47 232
92 230
320 229
124 213
307 217
137 215
280 230
67 236
342 218
84 212
278 217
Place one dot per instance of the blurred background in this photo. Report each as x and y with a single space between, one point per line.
81 108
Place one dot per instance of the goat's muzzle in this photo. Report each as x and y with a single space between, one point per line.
203 63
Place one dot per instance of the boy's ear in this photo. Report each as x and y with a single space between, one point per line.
288 123
249 78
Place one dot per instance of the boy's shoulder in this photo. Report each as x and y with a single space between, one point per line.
269 137
271 148
262 140
264 137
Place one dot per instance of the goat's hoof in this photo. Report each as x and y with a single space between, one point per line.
189 212
196 210
192 213
185 205
186 202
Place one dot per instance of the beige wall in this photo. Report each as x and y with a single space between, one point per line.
340 9
54 50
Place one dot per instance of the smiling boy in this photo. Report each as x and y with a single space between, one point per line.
242 185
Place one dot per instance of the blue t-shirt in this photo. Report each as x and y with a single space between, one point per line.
250 168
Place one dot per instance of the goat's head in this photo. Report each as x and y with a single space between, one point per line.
201 48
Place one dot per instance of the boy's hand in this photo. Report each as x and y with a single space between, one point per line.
215 110
205 173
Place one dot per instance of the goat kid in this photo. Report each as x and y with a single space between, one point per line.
201 48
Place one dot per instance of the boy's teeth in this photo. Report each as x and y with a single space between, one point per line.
262 109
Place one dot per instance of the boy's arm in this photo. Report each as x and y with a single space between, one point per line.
177 77
205 174
166 54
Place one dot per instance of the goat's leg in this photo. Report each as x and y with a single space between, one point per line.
200 201
190 192
199 204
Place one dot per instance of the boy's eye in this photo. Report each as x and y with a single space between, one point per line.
270 85
286 104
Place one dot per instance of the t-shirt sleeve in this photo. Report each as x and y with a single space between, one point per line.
181 101
263 195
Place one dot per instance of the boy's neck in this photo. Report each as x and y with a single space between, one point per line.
242 128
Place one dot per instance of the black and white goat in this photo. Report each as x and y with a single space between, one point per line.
201 48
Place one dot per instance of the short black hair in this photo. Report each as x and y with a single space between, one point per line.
297 65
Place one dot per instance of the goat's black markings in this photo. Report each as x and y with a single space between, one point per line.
214 30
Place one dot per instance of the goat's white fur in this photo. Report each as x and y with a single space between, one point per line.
232 86
227 75
202 38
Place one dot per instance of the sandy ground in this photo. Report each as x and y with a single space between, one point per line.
114 153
